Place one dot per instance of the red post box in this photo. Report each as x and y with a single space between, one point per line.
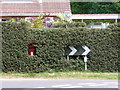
31 50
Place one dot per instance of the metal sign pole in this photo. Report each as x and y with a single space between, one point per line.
77 50
85 65
67 57
85 60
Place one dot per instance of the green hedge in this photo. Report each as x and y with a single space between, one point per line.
50 48
94 20
69 25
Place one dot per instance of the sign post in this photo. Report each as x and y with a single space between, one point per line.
85 60
67 57
67 15
77 51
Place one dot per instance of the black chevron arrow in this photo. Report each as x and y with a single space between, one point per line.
76 50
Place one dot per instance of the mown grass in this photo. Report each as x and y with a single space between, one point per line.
64 75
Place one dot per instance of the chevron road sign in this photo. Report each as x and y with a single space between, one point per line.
77 50
87 50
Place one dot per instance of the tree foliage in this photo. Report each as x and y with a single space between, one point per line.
95 7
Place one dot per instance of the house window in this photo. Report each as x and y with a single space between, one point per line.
16 1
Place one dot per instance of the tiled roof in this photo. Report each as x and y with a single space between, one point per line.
35 8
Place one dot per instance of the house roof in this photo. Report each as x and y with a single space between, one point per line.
34 8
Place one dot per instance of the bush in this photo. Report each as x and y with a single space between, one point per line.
37 22
69 25
50 48
114 27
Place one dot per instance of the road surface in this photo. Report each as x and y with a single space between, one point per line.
44 83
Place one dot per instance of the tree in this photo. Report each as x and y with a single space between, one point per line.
95 7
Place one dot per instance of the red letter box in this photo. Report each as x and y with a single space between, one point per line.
31 50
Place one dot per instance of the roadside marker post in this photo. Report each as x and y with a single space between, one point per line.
85 60
67 57
77 51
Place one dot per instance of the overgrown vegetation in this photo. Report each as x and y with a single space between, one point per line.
50 48
69 25
37 22
95 7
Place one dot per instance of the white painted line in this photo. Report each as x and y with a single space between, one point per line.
39 87
86 83
73 87
61 85
97 85
111 82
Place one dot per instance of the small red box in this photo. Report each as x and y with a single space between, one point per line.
31 50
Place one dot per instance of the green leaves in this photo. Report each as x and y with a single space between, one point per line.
95 7
50 48
69 25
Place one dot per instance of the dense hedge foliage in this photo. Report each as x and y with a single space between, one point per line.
69 25
50 48
98 20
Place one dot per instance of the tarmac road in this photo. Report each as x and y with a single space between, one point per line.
44 83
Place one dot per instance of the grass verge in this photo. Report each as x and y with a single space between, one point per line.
63 75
